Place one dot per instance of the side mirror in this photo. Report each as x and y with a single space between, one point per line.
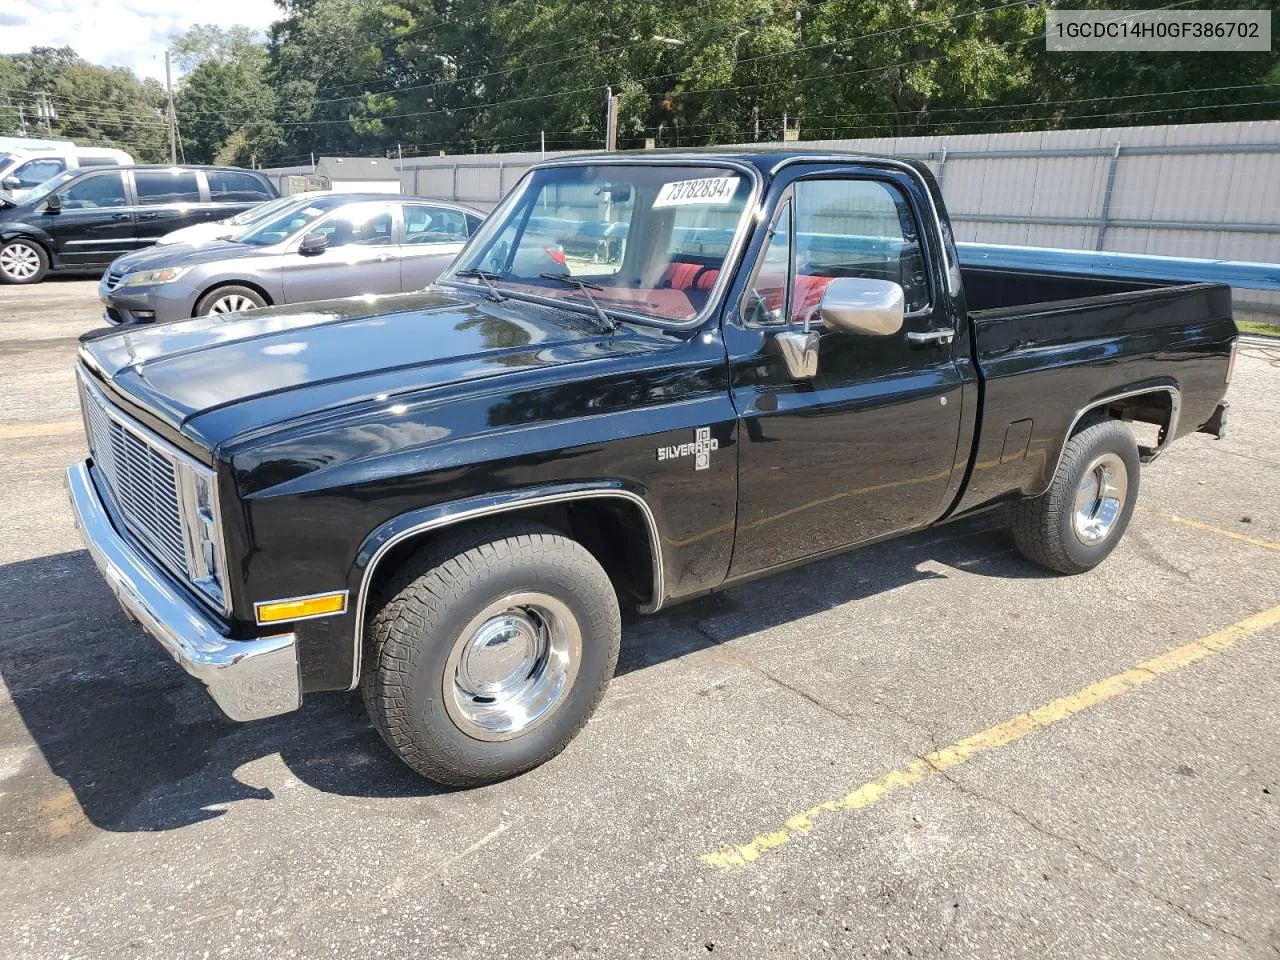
11 183
53 203
313 244
870 307
851 304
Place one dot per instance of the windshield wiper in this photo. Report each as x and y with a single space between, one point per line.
487 278
585 287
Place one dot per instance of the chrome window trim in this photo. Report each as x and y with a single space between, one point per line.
951 268
345 594
591 493
187 505
1175 409
717 292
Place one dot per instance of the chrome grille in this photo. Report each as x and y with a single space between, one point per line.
143 479
113 280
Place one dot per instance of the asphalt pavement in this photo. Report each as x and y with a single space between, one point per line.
926 748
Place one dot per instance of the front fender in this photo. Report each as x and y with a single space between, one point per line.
11 231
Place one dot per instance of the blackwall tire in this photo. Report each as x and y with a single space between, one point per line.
23 261
1075 524
229 299
488 652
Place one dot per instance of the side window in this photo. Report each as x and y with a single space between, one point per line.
166 186
855 228
371 227
232 186
88 193
35 172
423 224
766 300
473 224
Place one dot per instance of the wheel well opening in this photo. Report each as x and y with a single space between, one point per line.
1154 409
612 529
247 284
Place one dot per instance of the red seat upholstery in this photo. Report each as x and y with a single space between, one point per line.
808 294
680 276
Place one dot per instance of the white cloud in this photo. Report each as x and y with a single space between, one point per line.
124 33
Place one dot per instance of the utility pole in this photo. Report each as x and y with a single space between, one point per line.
544 143
173 117
610 120
46 113
784 126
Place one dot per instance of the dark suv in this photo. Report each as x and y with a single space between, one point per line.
83 219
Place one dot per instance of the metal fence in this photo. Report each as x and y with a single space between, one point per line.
1196 190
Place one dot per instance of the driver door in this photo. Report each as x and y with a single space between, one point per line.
362 256
95 223
866 448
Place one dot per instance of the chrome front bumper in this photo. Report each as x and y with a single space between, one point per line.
248 679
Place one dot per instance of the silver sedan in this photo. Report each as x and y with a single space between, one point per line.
327 246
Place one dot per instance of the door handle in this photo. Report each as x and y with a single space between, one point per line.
148 216
383 258
122 216
930 338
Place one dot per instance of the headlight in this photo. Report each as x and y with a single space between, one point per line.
205 558
163 275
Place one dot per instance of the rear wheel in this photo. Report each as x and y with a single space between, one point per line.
489 651
23 261
229 300
1075 524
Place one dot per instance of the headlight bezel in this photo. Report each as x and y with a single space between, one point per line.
205 540
154 277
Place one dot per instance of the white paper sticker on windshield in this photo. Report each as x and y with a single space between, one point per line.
710 190
313 211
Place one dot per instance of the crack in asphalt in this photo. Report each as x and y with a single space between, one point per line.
1091 855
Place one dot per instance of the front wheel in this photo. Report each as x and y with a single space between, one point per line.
23 261
229 300
1075 524
489 651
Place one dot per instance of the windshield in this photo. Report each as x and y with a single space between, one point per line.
290 222
263 210
648 239
46 188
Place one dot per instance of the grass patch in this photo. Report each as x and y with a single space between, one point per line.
1256 327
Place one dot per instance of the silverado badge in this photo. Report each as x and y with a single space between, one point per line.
703 444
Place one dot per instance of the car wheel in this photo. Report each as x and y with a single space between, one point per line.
23 261
489 650
1075 524
229 300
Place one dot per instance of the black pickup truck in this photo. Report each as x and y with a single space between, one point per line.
645 378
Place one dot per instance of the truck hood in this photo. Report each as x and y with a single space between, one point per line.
218 377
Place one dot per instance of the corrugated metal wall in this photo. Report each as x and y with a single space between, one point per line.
1198 190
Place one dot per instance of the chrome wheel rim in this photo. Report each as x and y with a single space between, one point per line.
19 261
232 303
1100 499
511 666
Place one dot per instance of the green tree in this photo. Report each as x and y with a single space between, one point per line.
225 105
84 102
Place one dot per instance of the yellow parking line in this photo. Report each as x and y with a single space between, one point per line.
1001 735
45 428
1197 525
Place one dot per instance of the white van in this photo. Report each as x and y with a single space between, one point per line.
25 170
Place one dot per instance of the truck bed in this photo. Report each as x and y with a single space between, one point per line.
1049 345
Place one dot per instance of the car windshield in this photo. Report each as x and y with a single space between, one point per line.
578 222
50 185
288 223
263 210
